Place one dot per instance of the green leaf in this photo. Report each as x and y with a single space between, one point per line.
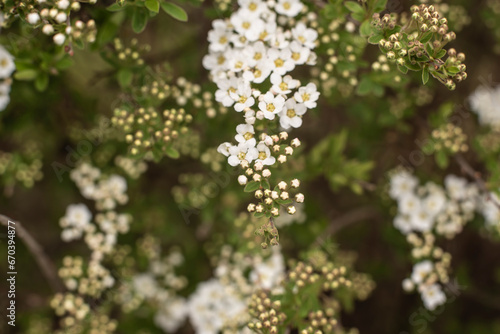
452 70
265 184
403 69
115 7
379 6
139 20
124 77
425 75
64 63
252 186
41 81
365 87
413 67
441 54
374 39
175 11
172 153
365 29
26 75
152 5
259 214
338 143
426 37
441 159
355 7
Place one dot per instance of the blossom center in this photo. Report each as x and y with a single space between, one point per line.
302 39
262 155
257 56
241 155
283 86
305 97
287 5
279 62
291 113
252 6
248 136
270 107
246 25
242 99
295 56
223 40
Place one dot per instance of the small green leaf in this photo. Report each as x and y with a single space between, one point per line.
452 70
152 5
259 214
413 67
139 20
124 77
252 186
26 75
441 54
379 6
441 159
265 184
403 69
365 29
355 7
374 39
41 81
115 7
175 11
172 153
425 75
426 37
64 63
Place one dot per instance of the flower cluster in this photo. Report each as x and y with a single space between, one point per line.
429 211
221 303
24 166
100 236
7 66
261 43
53 17
157 286
419 45
485 101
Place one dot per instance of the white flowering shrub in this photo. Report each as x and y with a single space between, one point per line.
250 166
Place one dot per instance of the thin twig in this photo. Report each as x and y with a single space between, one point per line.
467 169
345 220
44 263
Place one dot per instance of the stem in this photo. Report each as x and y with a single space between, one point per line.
46 266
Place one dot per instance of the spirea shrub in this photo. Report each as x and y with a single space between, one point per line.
250 166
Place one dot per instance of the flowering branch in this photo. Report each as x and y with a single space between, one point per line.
46 265
467 169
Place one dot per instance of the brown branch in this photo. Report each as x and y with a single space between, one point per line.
46 266
349 218
467 169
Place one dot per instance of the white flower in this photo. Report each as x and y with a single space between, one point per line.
291 115
222 95
259 72
247 25
402 183
244 151
281 60
270 273
33 18
432 296
4 95
264 155
422 221
403 223
288 7
271 105
171 315
7 65
245 134
219 37
145 285
78 215
434 203
253 7
59 38
307 95
224 148
421 270
485 101
242 96
283 85
304 35
409 204
456 186
300 54
490 209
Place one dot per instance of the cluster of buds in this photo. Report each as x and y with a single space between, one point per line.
321 321
450 139
71 308
266 312
53 17
147 130
271 199
418 45
24 167
133 168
